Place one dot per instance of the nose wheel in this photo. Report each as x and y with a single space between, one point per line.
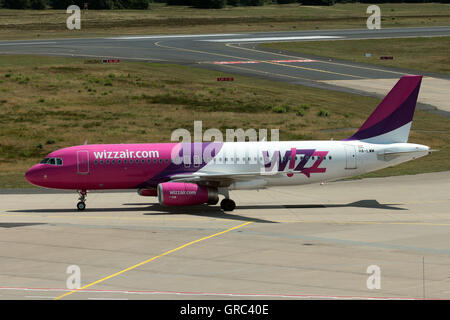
81 205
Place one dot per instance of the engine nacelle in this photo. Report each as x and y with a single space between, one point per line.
185 194
147 192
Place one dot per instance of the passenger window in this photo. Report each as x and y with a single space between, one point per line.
124 161
197 160
113 161
119 161
101 161
107 161
96 162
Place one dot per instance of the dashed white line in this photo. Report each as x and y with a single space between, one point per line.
217 294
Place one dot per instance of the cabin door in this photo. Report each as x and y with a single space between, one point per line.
350 153
82 162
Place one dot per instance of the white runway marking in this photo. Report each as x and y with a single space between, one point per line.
275 39
25 43
173 36
257 61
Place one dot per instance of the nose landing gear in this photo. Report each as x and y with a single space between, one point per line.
81 205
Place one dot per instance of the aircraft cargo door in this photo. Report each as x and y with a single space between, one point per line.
82 162
350 154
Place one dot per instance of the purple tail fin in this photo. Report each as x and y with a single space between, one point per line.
391 120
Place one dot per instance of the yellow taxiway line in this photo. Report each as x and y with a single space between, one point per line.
152 259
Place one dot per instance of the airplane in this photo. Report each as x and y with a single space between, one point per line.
179 177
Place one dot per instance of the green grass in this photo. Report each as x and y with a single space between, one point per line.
421 54
66 101
159 19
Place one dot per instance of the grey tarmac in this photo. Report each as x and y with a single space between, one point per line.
304 242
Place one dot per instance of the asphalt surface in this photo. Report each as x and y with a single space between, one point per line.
287 243
211 50
239 54
303 242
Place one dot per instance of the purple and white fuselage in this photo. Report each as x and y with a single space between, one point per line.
195 173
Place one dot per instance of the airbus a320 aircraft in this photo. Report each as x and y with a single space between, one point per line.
180 177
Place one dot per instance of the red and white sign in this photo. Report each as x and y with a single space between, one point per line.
110 60
225 79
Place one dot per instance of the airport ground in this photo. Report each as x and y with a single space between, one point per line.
289 243
162 19
420 54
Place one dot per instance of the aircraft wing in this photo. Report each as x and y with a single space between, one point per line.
220 179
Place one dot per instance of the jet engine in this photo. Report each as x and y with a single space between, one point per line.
185 194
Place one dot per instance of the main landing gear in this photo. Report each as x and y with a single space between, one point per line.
81 205
226 204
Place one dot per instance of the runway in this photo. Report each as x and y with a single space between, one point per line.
239 54
305 242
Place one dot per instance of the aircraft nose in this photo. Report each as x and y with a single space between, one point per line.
34 175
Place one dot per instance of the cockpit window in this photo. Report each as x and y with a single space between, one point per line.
52 161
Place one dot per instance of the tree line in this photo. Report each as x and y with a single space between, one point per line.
208 4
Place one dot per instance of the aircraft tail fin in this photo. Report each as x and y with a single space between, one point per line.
391 121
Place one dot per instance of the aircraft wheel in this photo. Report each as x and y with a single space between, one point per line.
81 206
227 205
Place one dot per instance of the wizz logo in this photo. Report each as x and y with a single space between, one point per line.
294 160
